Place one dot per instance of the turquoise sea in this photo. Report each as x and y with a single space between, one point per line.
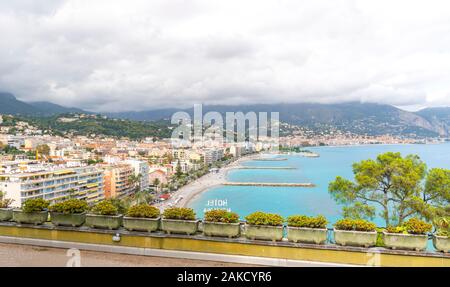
333 161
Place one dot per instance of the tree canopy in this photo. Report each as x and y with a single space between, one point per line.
398 186
434 204
43 149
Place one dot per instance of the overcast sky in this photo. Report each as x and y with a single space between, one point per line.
134 55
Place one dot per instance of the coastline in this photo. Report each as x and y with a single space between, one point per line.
374 144
185 194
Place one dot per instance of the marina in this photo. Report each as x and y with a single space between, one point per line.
266 167
271 159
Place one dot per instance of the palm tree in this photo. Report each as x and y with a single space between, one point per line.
156 183
143 197
135 181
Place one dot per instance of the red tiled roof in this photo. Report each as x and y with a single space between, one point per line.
164 196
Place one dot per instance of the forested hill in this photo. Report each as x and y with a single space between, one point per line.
97 125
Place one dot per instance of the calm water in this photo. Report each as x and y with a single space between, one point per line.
287 201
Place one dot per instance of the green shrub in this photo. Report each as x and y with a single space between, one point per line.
412 226
105 207
35 205
262 218
380 239
221 215
5 202
180 213
307 221
443 225
355 225
70 206
143 211
396 229
443 232
344 224
417 226
122 204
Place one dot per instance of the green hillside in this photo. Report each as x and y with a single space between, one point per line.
75 124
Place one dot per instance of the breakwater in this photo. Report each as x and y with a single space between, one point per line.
266 167
292 184
270 159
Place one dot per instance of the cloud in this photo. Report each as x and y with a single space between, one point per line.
135 55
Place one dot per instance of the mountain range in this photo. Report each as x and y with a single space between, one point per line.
360 118
10 105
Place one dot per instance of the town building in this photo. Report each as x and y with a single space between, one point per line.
160 175
140 170
117 181
54 183
211 155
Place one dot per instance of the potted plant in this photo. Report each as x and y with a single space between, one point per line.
220 222
179 220
264 226
355 232
142 217
441 240
412 235
5 209
71 212
33 211
104 215
307 229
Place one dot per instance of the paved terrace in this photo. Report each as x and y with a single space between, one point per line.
199 247
20 255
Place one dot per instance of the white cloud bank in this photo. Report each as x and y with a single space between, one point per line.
133 55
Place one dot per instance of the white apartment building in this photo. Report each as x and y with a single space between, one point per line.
53 183
15 141
236 151
212 154
185 165
179 154
140 168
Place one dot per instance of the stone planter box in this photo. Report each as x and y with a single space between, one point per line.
6 214
229 230
441 243
355 238
264 232
103 221
405 241
36 218
307 235
141 224
188 227
67 219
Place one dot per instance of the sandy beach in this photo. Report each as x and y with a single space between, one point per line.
185 194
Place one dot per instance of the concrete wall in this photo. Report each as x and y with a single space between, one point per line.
224 248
